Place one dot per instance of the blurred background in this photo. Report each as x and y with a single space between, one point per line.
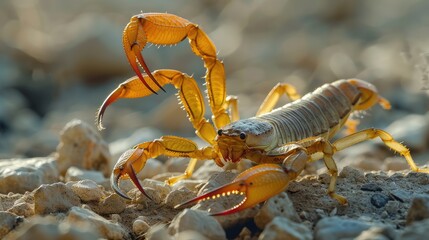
60 59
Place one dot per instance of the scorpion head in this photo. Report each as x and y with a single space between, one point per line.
240 137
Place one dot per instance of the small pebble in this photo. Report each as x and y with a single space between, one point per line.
283 228
379 200
352 174
109 230
199 221
87 190
140 226
279 205
339 228
53 198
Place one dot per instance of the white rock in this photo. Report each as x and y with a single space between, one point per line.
112 204
106 228
22 209
284 229
279 205
339 228
140 226
20 175
378 233
8 221
207 169
162 189
49 228
178 196
158 232
81 146
54 198
198 221
87 190
191 235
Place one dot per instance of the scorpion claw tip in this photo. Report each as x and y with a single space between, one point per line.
114 179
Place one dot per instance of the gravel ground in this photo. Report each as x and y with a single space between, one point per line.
60 60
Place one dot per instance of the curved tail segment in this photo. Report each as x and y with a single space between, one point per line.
169 29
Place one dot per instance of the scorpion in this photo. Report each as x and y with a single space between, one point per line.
282 141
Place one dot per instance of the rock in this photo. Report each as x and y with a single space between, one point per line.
371 187
22 209
106 228
110 205
352 174
207 170
81 146
417 230
140 226
20 175
158 232
379 200
415 135
178 196
54 198
339 228
378 233
282 228
87 190
48 228
197 221
419 209
162 189
191 235
76 174
279 205
8 221
190 184
401 195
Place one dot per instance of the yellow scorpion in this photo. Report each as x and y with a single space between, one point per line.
282 140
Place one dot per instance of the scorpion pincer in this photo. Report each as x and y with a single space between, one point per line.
281 141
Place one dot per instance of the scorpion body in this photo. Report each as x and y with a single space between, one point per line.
282 140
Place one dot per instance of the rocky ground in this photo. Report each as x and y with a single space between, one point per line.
60 60
67 195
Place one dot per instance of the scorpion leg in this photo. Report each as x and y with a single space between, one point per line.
231 103
274 95
261 182
387 139
133 160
